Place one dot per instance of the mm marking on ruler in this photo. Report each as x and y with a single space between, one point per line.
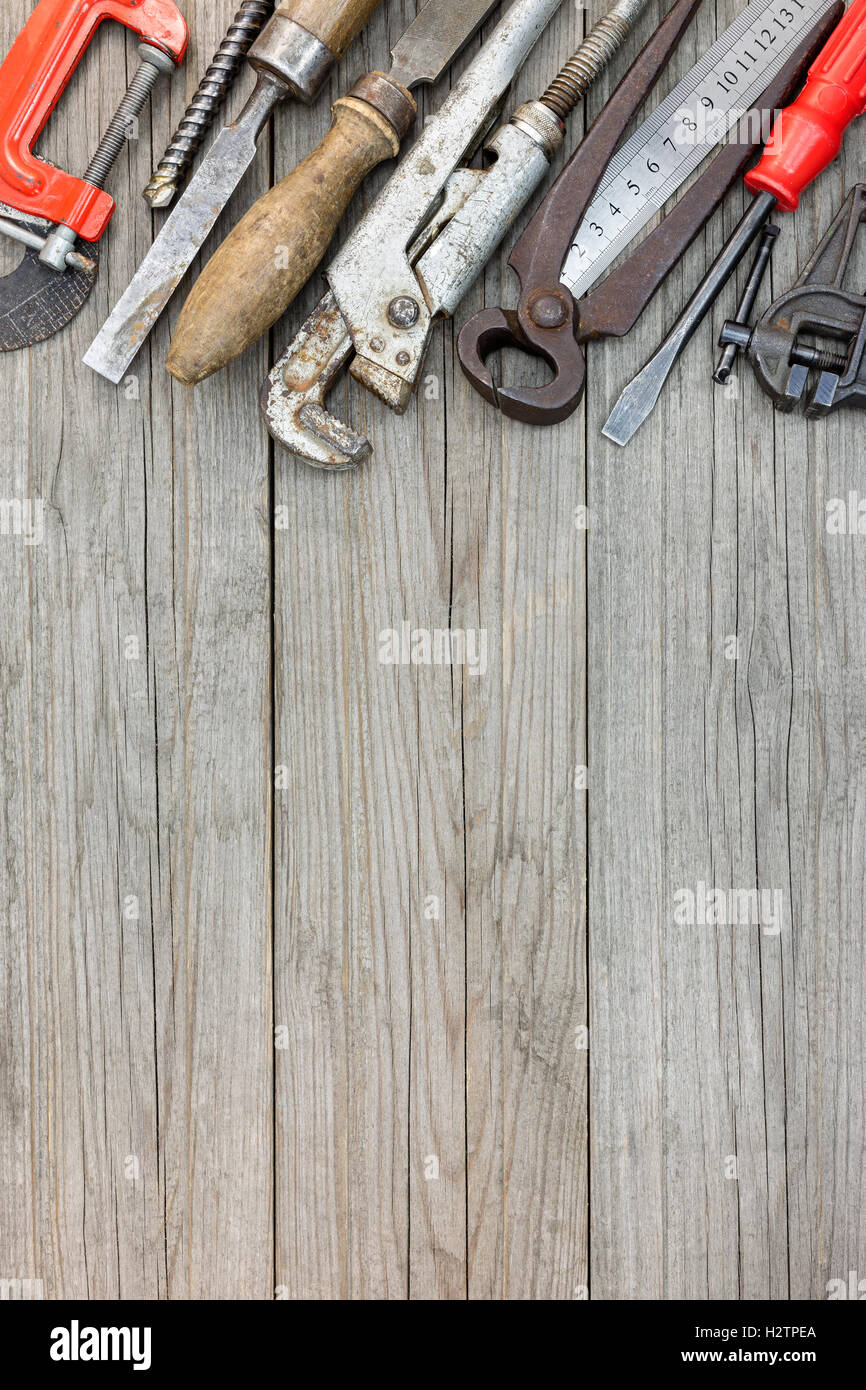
682 130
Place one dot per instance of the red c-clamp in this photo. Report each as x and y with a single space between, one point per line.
42 205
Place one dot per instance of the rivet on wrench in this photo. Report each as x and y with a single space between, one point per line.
403 311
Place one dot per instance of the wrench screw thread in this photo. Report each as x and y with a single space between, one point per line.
593 55
738 336
820 358
209 97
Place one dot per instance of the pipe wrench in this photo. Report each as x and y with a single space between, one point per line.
41 206
375 317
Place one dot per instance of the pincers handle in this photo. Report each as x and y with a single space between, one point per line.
807 135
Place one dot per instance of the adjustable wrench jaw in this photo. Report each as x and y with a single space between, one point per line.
829 314
391 330
379 317
293 396
33 77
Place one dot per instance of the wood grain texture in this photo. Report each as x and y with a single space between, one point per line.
406 1010
136 726
713 1170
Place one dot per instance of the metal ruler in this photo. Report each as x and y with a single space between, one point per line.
683 129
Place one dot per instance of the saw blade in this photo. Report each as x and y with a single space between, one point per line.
35 301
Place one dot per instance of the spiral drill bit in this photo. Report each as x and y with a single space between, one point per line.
212 92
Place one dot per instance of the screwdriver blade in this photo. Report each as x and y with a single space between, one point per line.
639 397
641 394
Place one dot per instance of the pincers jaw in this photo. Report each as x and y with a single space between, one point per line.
495 328
484 333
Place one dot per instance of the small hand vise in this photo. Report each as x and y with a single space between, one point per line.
40 205
789 368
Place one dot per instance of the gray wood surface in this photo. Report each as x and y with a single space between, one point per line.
300 948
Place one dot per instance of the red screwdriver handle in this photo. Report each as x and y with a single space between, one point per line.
807 135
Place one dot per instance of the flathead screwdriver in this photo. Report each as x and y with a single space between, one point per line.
805 138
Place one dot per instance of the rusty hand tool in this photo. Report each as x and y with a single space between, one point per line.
397 319
787 367
245 286
43 207
292 57
212 91
548 322
805 138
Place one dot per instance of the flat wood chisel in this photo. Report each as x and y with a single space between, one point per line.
292 56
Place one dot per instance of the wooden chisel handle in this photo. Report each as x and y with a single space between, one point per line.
334 22
269 256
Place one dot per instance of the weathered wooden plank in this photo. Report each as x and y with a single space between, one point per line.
345 828
136 689
209 587
714 1065
676 1078
526 943
80 1181
421 535
431 846
819 468
626 817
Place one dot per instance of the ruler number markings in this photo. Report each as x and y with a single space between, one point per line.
683 129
